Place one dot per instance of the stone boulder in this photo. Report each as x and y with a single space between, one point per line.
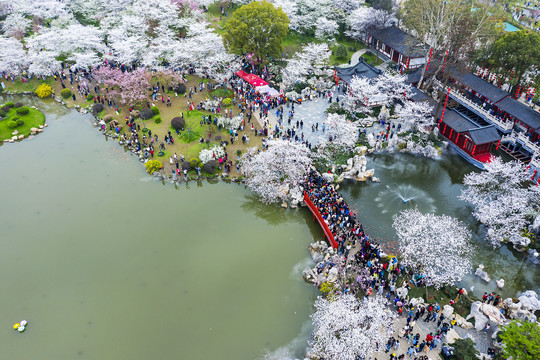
328 177
529 300
333 275
482 274
402 292
447 311
480 320
493 313
416 301
309 275
524 315
461 322
500 283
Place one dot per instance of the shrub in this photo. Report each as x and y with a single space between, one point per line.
180 89
18 104
152 166
2 114
135 113
11 124
5 109
146 114
65 93
211 166
227 102
155 110
341 51
97 108
186 166
144 130
195 163
9 104
157 120
23 110
89 97
43 91
20 122
107 118
178 123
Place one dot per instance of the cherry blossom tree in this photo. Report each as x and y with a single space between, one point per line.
13 58
383 90
326 29
310 60
415 114
45 9
274 172
502 200
128 88
16 25
347 328
437 246
340 132
81 45
230 123
365 18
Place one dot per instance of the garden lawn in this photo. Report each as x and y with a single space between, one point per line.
350 45
372 58
18 86
33 119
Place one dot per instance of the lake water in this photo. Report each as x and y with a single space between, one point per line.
409 181
107 263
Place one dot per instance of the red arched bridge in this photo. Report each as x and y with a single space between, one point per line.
317 215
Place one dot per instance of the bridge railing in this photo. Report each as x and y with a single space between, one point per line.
316 214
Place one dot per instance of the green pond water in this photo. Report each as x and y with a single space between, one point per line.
107 263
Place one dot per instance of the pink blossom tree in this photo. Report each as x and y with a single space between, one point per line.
128 88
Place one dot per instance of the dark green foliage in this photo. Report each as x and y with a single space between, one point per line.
12 124
341 51
178 123
23 110
157 120
97 108
195 163
155 110
9 104
65 93
20 122
5 109
464 349
89 97
18 104
186 166
180 89
211 166
146 114
2 114
521 340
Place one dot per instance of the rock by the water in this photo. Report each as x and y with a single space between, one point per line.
332 275
15 132
480 320
493 313
529 300
482 274
500 283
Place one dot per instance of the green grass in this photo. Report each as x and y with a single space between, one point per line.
30 86
220 92
372 58
348 43
33 119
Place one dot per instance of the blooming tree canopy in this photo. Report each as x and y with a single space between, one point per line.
16 25
230 123
340 132
128 88
437 246
383 90
13 59
416 114
502 200
214 153
365 18
275 171
347 328
326 29
310 60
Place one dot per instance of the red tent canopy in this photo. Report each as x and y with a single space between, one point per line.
252 79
